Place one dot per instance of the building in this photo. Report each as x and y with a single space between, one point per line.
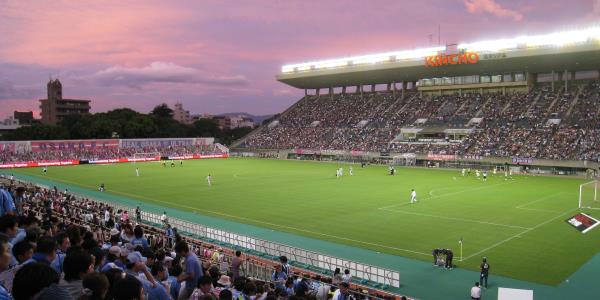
232 122
24 117
181 115
8 125
55 108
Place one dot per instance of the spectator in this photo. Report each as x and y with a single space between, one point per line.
128 288
7 204
139 239
23 251
279 278
337 277
62 239
192 270
77 264
95 287
205 287
45 251
174 285
476 292
342 293
33 279
347 278
236 263
225 295
135 265
5 259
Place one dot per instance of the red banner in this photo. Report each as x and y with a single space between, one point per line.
33 164
441 157
59 145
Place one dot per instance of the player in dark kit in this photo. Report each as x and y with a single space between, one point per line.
449 256
485 271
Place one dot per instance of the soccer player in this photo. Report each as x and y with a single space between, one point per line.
208 180
495 171
510 174
350 171
101 188
485 271
464 172
45 170
137 172
172 164
505 174
413 196
341 171
181 163
477 173
484 175
164 164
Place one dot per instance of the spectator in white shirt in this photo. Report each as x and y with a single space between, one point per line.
476 292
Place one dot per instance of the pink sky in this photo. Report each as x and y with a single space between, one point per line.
222 56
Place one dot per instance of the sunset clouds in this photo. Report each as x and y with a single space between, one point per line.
220 56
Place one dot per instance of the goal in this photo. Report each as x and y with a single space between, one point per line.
146 156
588 195
404 159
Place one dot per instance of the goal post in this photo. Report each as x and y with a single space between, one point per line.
404 159
589 196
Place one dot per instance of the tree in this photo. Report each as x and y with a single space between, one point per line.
206 128
162 111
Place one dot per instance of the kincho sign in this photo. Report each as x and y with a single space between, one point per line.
452 59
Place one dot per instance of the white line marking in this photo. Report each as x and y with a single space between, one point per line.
448 194
455 219
194 209
518 234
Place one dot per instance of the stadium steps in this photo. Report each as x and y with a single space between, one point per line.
574 102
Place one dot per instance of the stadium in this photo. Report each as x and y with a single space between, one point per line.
447 158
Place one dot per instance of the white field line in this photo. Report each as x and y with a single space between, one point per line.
455 219
518 234
522 206
194 209
447 194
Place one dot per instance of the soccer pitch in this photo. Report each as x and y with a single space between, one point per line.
518 224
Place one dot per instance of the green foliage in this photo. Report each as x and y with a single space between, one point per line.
127 123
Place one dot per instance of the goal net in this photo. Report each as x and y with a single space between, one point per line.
146 156
405 159
589 196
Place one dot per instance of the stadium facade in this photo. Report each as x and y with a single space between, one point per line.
556 64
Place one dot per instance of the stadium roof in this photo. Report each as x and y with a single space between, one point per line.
572 50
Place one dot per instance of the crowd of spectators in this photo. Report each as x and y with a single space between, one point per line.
99 153
512 124
54 245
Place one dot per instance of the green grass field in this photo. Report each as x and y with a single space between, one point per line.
518 224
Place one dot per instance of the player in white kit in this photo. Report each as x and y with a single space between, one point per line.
351 171
208 180
413 196
137 172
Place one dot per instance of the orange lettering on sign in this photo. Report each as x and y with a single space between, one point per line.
452 59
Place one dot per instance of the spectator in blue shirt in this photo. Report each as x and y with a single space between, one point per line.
139 239
45 251
193 270
278 278
62 239
9 226
7 205
5 258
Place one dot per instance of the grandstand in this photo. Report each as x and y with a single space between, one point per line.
535 97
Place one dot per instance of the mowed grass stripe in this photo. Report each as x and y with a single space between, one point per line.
305 198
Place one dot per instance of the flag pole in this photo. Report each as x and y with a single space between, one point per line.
461 241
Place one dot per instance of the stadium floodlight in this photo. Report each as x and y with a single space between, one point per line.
556 39
364 59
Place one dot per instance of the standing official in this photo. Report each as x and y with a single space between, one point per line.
485 270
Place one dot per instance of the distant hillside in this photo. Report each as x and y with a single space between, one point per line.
256 119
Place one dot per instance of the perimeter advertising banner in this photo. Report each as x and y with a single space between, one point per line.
432 156
33 164
60 145
162 143
522 160
583 222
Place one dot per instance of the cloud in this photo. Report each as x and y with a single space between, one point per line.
9 91
162 72
596 8
491 7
